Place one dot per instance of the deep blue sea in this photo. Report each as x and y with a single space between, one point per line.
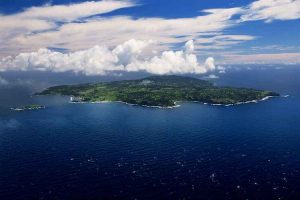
117 151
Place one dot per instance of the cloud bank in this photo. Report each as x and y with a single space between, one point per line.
271 58
111 31
131 56
78 27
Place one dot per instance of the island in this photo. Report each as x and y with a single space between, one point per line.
159 91
29 107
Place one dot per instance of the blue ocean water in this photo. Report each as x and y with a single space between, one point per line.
116 151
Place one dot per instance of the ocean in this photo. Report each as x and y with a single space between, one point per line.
118 151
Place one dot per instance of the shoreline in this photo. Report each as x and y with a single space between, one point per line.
178 105
24 109
130 104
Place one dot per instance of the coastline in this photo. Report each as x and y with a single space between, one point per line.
130 104
178 105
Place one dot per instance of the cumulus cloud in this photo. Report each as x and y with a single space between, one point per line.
130 51
209 63
131 56
189 46
174 62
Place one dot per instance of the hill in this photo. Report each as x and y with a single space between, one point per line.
161 91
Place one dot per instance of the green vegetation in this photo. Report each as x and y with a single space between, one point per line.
159 91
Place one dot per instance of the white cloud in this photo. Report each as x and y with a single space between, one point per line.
131 56
276 48
275 58
221 69
110 31
221 41
269 10
116 30
174 62
73 11
189 46
209 63
211 76
129 51
45 18
37 28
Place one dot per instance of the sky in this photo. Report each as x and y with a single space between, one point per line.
154 36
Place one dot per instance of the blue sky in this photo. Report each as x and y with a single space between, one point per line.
160 35
187 8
